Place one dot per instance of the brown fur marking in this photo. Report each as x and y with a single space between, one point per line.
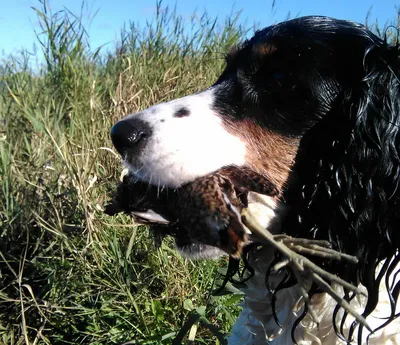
268 153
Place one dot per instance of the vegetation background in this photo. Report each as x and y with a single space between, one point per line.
68 273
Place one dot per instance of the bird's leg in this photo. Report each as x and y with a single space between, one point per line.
302 267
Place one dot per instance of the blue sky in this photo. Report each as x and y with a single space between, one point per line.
18 20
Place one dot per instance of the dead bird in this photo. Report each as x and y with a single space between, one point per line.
205 212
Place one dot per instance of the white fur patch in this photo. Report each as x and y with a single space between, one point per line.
181 149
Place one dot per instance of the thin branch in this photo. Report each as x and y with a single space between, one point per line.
303 268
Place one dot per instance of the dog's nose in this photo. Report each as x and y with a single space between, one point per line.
126 134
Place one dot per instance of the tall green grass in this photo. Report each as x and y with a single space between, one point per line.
69 274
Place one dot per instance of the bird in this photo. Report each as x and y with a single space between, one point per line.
206 210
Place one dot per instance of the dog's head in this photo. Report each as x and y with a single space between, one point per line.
275 87
313 105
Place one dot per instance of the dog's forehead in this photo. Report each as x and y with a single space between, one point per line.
273 47
302 34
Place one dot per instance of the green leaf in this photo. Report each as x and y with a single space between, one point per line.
188 305
157 310
233 300
201 310
228 289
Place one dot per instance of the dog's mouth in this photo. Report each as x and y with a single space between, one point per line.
203 216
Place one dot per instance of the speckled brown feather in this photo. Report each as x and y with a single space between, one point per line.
206 210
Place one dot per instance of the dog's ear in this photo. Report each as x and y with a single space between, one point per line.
345 185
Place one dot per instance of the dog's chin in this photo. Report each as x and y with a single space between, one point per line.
199 251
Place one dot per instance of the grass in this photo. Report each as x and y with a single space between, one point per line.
68 273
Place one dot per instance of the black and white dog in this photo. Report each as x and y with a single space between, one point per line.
312 104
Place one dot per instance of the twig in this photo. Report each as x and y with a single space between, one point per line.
303 268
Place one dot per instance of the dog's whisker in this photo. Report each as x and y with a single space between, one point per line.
158 188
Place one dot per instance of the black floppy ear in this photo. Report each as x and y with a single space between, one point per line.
345 185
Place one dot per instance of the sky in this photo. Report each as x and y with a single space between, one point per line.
18 20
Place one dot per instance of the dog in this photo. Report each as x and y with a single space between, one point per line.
313 105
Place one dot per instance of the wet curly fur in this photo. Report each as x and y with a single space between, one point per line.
345 182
